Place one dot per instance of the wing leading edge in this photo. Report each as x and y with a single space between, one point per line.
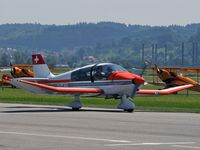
64 89
164 91
95 90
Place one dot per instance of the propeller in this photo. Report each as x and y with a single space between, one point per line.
136 87
157 69
146 63
12 72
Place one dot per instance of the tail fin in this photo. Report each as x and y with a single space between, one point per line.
40 68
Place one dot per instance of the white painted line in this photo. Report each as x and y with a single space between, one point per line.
148 144
67 137
185 146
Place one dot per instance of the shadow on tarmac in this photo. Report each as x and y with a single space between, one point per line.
35 109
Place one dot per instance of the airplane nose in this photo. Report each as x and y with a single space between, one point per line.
127 76
138 80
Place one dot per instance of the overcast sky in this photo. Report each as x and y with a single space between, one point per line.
146 12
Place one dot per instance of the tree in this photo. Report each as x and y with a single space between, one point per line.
51 60
5 59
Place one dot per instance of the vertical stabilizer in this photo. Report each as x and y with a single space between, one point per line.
40 68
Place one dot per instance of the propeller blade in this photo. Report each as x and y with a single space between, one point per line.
11 67
12 72
157 69
146 63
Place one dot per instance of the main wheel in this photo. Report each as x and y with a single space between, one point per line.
129 110
75 109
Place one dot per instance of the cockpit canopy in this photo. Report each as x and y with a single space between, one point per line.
96 72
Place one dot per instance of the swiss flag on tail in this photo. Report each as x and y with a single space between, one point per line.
37 59
40 68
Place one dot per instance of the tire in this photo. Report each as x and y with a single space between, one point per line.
129 110
75 109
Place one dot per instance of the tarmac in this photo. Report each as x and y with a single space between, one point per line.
31 127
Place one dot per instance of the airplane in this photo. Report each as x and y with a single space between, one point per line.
15 71
18 70
105 80
172 79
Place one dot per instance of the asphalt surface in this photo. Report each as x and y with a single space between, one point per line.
30 127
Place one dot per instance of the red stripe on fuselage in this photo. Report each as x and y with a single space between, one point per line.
64 89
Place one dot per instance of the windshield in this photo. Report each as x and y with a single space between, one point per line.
96 72
115 68
103 71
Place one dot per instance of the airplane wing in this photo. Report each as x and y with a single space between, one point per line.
64 89
5 70
164 91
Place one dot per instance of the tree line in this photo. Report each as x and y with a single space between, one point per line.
105 41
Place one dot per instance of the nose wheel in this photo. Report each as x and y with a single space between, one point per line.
129 110
126 104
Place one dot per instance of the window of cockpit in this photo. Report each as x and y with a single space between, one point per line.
115 68
81 75
101 72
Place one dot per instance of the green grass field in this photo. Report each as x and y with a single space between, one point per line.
170 103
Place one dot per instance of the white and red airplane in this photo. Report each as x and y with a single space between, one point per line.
100 80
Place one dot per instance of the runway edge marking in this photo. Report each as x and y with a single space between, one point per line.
148 144
186 146
68 137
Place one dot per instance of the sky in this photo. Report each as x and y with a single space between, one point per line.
64 12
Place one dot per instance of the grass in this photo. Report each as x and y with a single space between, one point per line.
170 103
9 95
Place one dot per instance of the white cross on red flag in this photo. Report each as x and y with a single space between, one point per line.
37 59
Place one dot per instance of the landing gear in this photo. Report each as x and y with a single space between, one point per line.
76 104
126 104
75 109
129 110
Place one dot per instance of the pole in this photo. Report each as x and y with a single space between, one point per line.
193 53
182 60
153 53
165 54
197 54
143 52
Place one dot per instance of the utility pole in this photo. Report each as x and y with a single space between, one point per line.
193 53
165 54
143 52
182 52
155 53
197 54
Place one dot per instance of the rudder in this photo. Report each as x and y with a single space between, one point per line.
40 68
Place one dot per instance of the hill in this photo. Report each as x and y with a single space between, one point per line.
107 39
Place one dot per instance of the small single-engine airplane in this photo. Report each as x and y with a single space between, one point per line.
20 70
172 79
100 80
15 71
